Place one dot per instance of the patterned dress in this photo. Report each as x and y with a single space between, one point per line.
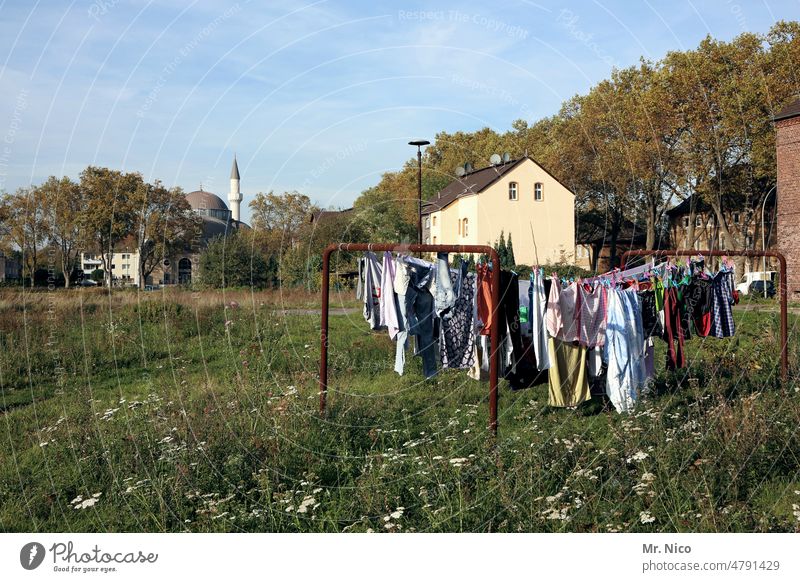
722 307
457 335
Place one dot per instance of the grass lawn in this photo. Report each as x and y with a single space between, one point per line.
181 411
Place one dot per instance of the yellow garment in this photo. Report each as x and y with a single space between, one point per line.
569 382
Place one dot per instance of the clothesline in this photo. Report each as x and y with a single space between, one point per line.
582 338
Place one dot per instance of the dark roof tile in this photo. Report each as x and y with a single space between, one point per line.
791 110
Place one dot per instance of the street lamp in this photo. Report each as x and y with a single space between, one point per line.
419 143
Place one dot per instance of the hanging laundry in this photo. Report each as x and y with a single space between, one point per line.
509 313
672 330
360 287
372 291
388 298
538 325
457 330
484 298
420 314
444 294
624 349
562 314
524 307
400 284
591 313
651 322
461 273
568 380
722 324
699 303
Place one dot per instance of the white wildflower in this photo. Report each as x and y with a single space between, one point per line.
308 502
645 517
638 456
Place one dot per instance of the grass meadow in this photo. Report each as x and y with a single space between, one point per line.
180 411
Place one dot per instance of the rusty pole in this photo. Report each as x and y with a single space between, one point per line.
782 285
414 248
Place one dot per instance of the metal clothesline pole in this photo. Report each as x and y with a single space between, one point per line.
782 286
413 248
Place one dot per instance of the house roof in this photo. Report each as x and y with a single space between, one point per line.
475 182
327 214
592 229
202 200
684 208
791 110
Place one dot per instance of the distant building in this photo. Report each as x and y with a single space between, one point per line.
322 216
518 198
218 220
743 221
787 142
10 269
593 245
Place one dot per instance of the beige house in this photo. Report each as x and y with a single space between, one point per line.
518 198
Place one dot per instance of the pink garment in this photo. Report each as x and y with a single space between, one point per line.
592 307
553 317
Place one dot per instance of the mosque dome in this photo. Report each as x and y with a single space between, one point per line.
202 200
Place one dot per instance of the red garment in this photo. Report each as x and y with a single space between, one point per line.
702 324
674 331
485 312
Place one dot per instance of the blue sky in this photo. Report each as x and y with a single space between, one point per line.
320 96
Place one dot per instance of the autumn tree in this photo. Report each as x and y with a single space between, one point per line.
163 224
278 219
26 225
63 205
110 211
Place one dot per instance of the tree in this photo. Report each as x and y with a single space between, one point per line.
63 204
386 216
164 224
26 226
110 197
502 250
510 260
277 219
232 262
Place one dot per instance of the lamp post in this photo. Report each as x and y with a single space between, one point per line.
419 143
763 241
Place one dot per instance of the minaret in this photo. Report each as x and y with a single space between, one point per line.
235 197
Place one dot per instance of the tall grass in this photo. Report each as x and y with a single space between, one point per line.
182 412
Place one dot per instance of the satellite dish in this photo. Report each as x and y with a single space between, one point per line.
506 158
495 159
467 167
460 171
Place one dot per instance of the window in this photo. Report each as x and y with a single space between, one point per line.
537 191
685 222
698 221
512 190
427 222
434 221
465 227
434 240
735 218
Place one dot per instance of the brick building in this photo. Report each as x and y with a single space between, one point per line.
787 142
